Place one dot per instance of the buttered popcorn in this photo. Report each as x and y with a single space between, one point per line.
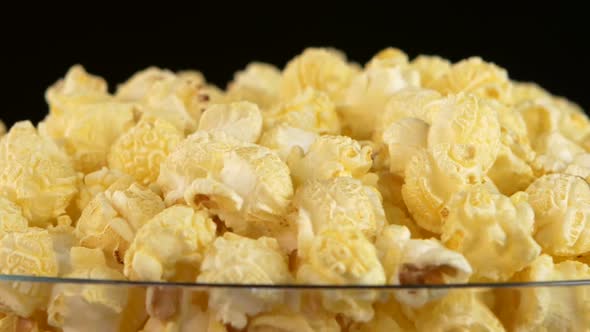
409 174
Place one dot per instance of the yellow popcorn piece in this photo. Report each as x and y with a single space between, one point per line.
75 307
556 146
236 259
388 57
241 120
368 94
138 86
343 257
547 308
100 181
561 204
172 310
404 139
76 86
282 139
112 218
311 110
322 69
430 67
248 186
35 174
511 172
422 104
471 126
26 252
140 151
86 131
172 242
419 262
11 218
493 231
431 179
338 203
329 157
389 317
460 310
473 75
309 318
258 83
180 101
527 91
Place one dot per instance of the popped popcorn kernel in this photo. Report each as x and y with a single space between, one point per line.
140 151
430 67
322 69
35 174
241 120
175 239
311 110
258 83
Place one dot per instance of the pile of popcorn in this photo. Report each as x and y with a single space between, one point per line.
397 172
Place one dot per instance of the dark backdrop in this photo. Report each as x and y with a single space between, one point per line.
547 47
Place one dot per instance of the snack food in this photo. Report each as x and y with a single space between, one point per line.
412 175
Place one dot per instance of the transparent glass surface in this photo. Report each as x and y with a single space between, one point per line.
56 304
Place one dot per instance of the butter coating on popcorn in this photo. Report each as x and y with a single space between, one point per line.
258 83
493 231
141 149
241 120
561 204
236 259
35 174
171 243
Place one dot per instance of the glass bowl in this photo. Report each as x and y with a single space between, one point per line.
120 305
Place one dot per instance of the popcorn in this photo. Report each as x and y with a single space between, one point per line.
75 307
473 75
547 308
418 103
329 157
493 231
101 181
388 318
241 120
26 252
337 204
311 110
404 139
460 310
246 185
35 174
142 148
11 218
430 67
282 139
310 317
419 262
169 245
138 86
368 94
561 204
343 257
112 218
322 69
388 57
236 259
258 83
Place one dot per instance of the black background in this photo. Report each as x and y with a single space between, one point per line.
546 46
